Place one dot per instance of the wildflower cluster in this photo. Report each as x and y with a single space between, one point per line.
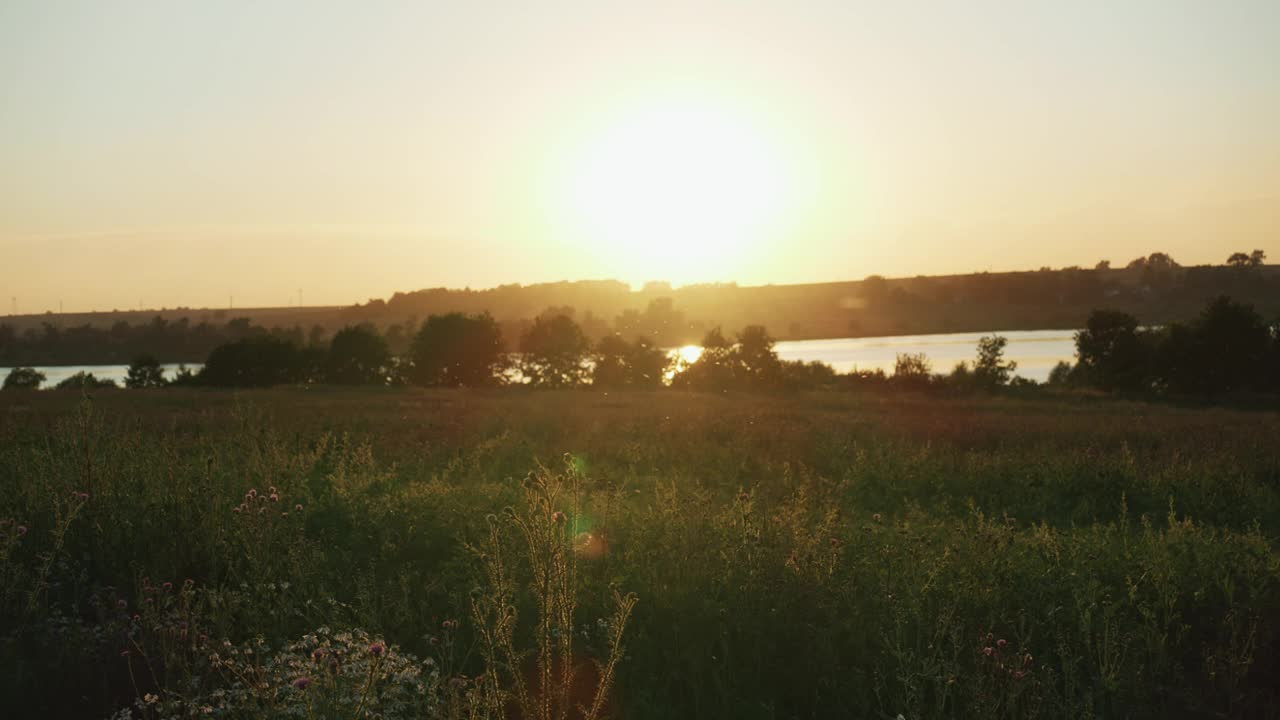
322 674
1005 675
264 523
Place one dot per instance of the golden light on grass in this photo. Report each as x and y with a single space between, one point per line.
678 189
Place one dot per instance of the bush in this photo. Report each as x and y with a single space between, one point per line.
84 381
911 371
23 378
145 372
260 361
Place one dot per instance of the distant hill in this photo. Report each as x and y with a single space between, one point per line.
1154 289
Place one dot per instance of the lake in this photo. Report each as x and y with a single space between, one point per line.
1035 351
54 374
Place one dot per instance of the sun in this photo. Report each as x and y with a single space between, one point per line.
678 191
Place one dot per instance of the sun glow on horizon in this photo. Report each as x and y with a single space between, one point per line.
680 190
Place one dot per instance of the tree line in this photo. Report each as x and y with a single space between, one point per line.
1228 348
1154 287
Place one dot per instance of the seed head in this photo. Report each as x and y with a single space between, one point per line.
558 517
1001 643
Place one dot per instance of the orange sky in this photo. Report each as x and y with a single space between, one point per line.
176 153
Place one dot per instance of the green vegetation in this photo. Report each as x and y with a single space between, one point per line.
341 552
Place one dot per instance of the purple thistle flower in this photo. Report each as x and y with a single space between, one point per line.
122 604
22 530
377 649
302 682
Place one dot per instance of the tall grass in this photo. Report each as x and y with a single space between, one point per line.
796 556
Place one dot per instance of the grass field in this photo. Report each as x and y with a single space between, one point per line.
793 556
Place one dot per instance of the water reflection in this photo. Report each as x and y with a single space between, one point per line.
54 374
1035 351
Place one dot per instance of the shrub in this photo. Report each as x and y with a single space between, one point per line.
23 378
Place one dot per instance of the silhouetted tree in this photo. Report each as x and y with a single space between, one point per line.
144 372
457 350
1061 374
647 364
713 370
1111 352
610 368
23 378
1257 258
1225 349
553 352
990 369
258 361
1238 259
756 362
358 356
617 363
911 371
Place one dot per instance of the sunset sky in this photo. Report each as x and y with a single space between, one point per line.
175 153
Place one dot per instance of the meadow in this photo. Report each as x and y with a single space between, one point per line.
356 552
